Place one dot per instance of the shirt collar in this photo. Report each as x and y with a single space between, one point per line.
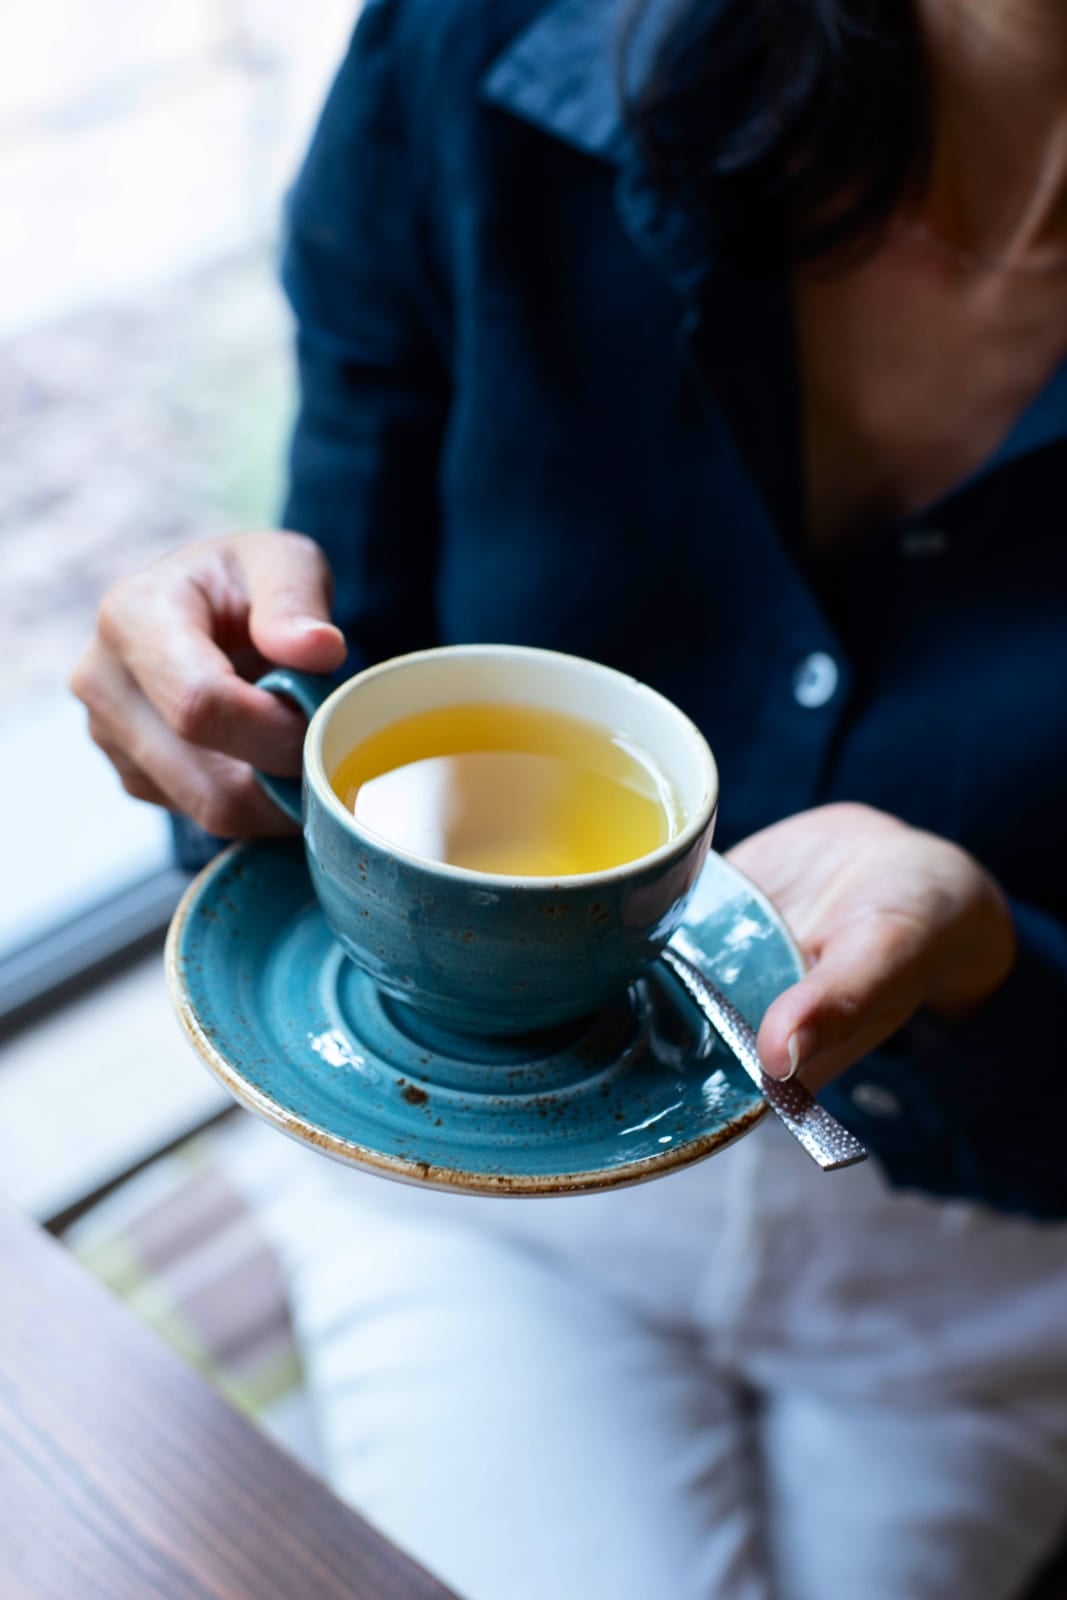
562 73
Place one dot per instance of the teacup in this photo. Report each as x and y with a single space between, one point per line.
479 952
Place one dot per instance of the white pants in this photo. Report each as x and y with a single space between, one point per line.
744 1382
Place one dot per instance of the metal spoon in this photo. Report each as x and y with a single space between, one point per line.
828 1143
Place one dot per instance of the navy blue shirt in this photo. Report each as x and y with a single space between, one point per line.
538 405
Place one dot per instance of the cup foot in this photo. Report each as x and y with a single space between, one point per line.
541 1062
537 1062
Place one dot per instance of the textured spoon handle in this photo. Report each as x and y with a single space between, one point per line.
828 1143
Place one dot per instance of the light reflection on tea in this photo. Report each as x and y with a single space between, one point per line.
509 789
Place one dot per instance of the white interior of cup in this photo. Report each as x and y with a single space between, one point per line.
516 675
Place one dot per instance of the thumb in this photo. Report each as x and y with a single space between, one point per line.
290 589
858 993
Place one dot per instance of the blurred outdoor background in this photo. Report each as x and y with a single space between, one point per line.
145 398
144 378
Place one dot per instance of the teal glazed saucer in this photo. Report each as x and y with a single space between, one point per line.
300 1036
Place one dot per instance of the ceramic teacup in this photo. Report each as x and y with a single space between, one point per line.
480 952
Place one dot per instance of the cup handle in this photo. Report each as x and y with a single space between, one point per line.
308 692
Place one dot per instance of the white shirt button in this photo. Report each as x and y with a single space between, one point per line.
815 680
875 1101
923 544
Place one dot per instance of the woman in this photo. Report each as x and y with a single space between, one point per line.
724 346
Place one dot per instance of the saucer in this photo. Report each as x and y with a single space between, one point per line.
301 1037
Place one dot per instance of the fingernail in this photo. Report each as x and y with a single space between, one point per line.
798 1049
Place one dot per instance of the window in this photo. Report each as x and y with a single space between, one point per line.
145 393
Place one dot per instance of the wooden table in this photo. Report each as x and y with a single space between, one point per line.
124 1477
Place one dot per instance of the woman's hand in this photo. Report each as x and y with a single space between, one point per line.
890 919
165 676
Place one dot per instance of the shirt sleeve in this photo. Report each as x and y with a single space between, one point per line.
969 1108
373 384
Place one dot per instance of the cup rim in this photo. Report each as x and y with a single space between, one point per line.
315 775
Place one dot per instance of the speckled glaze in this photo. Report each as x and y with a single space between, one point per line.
301 1036
483 953
486 959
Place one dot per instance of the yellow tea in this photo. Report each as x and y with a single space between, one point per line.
509 789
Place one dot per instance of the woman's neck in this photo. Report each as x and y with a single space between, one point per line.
998 176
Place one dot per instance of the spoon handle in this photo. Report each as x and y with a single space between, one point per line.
828 1143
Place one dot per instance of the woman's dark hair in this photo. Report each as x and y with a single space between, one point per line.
807 119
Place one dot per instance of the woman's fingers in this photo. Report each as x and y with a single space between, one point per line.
891 918
160 680
866 981
290 591
162 633
178 628
136 782
155 764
